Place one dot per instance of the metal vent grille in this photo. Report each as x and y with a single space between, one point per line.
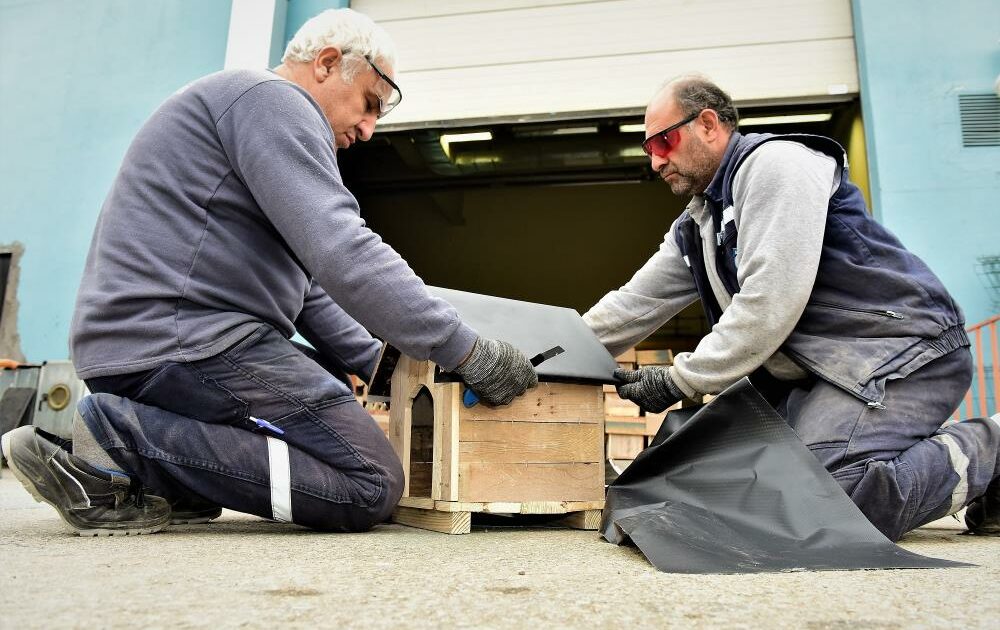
980 119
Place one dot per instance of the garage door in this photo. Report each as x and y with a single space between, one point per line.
463 61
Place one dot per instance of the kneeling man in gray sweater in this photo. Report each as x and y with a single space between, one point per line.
228 229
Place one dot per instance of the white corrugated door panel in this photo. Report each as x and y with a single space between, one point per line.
494 59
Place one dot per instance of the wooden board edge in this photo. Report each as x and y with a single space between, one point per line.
434 520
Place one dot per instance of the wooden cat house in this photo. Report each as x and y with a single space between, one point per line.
541 454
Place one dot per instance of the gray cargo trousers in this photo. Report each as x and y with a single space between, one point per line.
899 464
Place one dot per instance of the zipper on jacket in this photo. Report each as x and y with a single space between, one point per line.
813 368
869 311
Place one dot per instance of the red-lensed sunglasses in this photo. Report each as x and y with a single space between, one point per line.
663 142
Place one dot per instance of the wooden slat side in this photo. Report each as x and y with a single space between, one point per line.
549 402
496 507
417 502
446 522
614 426
625 446
437 469
511 507
615 405
447 400
654 357
535 442
588 519
487 482
399 415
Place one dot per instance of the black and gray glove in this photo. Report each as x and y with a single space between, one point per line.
650 387
497 371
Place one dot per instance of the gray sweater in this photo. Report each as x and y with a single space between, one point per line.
780 196
228 212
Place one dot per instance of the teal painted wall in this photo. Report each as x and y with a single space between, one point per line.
77 80
301 10
942 200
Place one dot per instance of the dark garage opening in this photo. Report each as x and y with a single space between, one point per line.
553 212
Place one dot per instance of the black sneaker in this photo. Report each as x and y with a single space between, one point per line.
93 502
193 511
982 517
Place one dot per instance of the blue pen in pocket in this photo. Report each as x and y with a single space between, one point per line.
267 426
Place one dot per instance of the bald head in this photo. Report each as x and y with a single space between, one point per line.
693 93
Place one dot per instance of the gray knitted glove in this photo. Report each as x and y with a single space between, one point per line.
650 387
497 371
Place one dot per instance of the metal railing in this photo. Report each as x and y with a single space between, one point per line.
981 399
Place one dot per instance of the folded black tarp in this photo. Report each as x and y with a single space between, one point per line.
734 490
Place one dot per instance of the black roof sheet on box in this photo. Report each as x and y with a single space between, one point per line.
535 328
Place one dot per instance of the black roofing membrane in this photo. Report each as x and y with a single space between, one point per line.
734 490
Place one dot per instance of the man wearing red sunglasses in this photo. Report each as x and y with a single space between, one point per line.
850 336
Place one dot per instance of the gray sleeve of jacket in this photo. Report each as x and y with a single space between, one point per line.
336 335
780 197
657 292
281 147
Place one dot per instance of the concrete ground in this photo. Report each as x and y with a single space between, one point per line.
241 571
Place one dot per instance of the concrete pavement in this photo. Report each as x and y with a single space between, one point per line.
241 571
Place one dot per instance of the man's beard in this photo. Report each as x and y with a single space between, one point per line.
696 177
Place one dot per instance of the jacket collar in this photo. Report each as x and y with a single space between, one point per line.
714 190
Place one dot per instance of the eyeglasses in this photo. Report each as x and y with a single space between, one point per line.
386 104
663 142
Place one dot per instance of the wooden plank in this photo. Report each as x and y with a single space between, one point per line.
654 357
625 446
588 519
486 482
528 507
425 503
614 426
399 415
573 506
495 507
549 402
446 522
382 420
615 405
437 470
626 357
494 441
448 401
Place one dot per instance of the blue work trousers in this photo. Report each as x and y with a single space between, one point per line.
898 463
187 429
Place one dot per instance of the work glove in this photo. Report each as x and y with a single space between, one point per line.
650 387
497 371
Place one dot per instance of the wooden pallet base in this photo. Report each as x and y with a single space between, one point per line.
453 517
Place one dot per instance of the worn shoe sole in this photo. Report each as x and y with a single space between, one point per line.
195 518
38 497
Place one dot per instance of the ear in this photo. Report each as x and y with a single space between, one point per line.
327 62
708 119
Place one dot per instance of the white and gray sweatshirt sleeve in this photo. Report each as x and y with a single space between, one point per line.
780 198
657 292
281 147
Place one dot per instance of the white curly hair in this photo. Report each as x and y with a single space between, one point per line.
348 30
